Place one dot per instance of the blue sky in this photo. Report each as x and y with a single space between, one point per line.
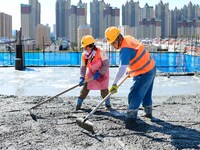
12 7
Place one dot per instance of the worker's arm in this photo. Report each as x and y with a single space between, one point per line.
126 54
82 71
83 66
120 73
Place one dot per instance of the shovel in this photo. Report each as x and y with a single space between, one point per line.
34 117
84 122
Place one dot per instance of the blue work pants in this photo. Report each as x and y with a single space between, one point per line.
141 90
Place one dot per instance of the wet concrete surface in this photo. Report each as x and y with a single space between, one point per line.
49 81
175 125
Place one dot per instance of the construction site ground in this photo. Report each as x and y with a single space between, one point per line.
175 123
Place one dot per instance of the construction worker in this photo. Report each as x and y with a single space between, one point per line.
135 61
94 65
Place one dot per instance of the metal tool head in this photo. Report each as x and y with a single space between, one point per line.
85 124
34 117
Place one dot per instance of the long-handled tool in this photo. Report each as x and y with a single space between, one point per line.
87 125
34 117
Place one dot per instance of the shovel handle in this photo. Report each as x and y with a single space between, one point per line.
59 94
54 96
105 98
127 76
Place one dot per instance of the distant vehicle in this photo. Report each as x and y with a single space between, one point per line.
9 48
64 45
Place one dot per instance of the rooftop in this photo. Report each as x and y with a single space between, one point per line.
49 81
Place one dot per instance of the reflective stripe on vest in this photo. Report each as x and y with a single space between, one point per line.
141 68
141 55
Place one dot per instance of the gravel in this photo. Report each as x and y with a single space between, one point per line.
175 125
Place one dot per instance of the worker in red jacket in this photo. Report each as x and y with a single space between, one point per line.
94 65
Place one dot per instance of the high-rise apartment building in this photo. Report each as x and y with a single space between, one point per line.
30 18
77 17
131 14
25 20
35 16
5 25
42 36
62 18
188 28
162 13
150 28
69 18
127 30
111 17
188 13
96 18
102 15
83 30
147 12
175 17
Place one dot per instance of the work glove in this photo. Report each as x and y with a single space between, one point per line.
81 81
96 75
113 89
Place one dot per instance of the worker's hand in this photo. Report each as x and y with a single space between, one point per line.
81 81
96 75
127 72
113 89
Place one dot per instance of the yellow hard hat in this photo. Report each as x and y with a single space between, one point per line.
87 40
111 34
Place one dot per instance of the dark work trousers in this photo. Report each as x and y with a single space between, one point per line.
84 92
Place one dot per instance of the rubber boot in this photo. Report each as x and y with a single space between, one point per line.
107 104
148 111
79 103
131 118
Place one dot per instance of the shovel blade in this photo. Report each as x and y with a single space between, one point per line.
34 117
87 125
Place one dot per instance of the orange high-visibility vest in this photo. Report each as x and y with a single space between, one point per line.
142 62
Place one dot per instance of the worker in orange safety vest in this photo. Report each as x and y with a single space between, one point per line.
135 61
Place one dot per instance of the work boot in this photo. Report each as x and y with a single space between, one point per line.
107 104
147 111
130 122
78 104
